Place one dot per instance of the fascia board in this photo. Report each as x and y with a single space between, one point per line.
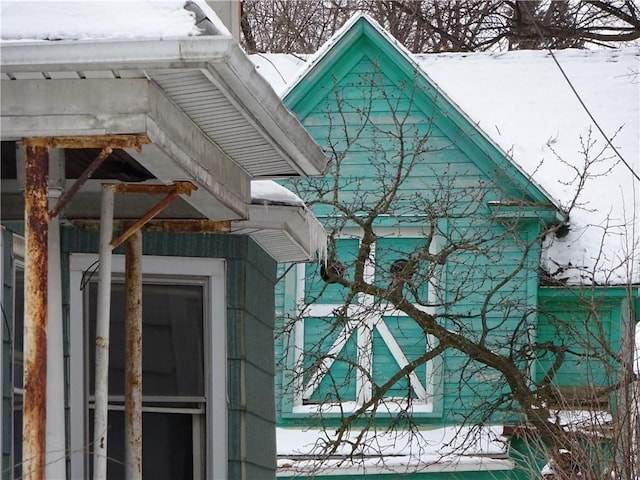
66 55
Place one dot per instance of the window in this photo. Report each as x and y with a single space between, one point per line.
338 361
184 367
17 365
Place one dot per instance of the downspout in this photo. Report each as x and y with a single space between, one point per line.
35 312
100 423
55 437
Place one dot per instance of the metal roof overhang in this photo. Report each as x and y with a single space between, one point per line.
210 117
289 233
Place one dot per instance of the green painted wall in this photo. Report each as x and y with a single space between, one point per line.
362 91
588 322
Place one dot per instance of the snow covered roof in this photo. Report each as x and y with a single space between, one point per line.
281 224
522 102
98 20
168 71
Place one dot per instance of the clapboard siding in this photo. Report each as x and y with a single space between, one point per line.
372 110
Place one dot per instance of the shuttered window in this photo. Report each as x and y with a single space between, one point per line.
343 353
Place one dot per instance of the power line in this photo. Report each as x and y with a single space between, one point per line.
575 92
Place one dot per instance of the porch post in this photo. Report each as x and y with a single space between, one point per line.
133 359
100 423
35 312
55 443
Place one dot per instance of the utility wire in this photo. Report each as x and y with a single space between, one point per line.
575 92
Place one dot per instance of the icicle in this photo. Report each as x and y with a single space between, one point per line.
317 238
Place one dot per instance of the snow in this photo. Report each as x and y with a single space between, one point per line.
529 110
279 68
99 19
439 449
269 192
523 104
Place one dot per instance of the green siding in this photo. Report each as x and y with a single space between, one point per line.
588 322
366 95
251 276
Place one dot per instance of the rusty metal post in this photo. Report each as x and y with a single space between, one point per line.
133 358
34 420
100 420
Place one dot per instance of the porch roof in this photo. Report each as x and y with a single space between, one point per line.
210 118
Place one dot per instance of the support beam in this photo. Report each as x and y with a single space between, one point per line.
56 446
35 313
86 175
133 358
177 188
100 423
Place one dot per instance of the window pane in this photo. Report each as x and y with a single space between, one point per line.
317 290
18 328
18 366
411 340
167 445
391 250
172 346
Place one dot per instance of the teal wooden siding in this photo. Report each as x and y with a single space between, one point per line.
365 96
588 323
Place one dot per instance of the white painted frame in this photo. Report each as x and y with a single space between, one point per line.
215 352
425 391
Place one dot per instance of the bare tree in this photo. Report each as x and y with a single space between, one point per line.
390 171
427 26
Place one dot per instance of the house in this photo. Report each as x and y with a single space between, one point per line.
139 146
518 221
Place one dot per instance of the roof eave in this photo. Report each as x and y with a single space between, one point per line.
289 233
219 57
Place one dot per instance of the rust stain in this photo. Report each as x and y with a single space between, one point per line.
165 225
89 141
133 356
174 190
86 175
35 312
180 187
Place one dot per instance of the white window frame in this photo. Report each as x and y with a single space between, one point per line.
424 390
215 367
